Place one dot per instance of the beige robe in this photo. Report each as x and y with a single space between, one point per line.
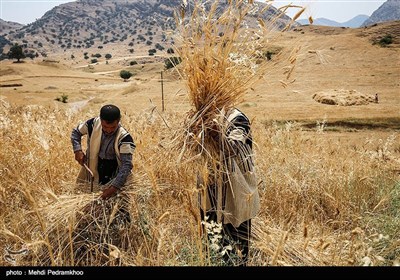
242 201
93 149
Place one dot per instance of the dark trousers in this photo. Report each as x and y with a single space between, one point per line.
239 235
107 169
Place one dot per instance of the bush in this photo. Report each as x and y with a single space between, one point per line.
172 62
387 40
124 74
63 98
159 47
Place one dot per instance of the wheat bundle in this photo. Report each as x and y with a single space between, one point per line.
222 57
84 230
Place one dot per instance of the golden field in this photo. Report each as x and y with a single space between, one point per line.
329 175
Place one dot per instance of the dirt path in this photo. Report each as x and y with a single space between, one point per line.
78 105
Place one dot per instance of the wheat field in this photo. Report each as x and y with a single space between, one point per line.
322 204
328 198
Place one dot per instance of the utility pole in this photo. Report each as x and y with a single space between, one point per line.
162 90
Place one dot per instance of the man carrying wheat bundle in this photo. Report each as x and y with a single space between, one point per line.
216 133
222 57
228 194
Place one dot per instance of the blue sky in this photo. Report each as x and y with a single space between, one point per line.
27 11
337 10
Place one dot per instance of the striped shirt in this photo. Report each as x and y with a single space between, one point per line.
240 142
107 150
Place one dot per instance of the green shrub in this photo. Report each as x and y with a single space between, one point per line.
172 62
387 40
63 98
152 51
124 74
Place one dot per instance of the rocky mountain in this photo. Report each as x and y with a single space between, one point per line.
353 23
390 10
98 24
3 42
7 26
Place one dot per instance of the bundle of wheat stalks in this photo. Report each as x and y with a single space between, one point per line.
222 57
84 230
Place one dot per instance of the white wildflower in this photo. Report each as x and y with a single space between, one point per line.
366 261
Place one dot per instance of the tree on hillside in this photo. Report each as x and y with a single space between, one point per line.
16 52
124 74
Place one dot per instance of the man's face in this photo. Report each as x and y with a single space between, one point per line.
109 128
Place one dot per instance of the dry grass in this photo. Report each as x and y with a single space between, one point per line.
322 202
344 98
319 205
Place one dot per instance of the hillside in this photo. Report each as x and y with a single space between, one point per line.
388 11
130 26
329 59
7 26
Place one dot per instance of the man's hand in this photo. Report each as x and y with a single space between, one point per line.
80 157
109 192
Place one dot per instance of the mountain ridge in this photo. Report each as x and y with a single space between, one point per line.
91 25
355 22
388 11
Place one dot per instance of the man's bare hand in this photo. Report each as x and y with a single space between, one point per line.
109 192
80 157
